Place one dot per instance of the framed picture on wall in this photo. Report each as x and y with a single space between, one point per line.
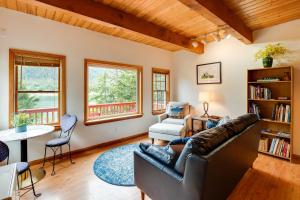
209 73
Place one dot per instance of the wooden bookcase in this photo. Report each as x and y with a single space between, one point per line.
278 88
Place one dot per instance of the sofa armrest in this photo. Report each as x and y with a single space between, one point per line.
155 179
158 165
195 175
162 117
187 123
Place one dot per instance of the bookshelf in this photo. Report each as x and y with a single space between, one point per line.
270 95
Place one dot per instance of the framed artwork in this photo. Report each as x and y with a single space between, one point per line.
209 73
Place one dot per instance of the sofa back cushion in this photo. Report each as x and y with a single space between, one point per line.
241 123
204 142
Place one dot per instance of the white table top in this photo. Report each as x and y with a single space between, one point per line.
32 131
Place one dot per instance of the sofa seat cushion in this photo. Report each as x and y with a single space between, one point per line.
173 121
169 129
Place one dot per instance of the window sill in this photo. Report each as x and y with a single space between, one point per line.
112 119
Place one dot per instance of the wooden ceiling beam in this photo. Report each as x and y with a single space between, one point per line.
218 13
107 14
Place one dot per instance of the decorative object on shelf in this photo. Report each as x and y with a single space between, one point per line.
286 76
209 73
269 52
283 98
205 97
20 122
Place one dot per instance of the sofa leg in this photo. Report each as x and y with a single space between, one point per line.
152 140
142 195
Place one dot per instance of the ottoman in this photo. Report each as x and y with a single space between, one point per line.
167 132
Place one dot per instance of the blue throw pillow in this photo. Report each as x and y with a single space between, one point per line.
223 121
165 154
211 123
176 112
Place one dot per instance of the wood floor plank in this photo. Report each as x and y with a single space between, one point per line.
269 179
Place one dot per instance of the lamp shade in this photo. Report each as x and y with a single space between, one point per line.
205 97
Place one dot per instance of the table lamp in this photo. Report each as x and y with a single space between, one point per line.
205 97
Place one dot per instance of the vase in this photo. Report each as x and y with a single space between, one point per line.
267 61
21 129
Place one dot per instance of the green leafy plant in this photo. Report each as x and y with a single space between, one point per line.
21 119
271 50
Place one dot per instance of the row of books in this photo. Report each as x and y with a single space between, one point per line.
259 92
254 108
275 146
282 113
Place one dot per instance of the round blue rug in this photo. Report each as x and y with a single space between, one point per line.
116 166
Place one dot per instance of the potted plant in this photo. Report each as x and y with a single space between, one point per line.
269 52
20 122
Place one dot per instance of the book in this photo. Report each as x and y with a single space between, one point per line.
281 113
259 93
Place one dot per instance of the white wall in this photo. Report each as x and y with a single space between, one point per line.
37 34
236 58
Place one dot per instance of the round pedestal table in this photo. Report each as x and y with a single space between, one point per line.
32 132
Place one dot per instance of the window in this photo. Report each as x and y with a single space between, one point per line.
160 90
113 91
37 86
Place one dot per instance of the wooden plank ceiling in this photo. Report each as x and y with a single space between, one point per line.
173 15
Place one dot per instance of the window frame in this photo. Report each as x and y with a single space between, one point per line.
13 82
166 72
115 65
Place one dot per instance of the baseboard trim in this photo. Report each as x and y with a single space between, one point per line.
101 145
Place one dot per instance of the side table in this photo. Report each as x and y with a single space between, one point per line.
203 121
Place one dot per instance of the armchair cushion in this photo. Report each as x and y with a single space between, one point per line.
174 121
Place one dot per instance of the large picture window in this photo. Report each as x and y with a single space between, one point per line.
160 90
113 91
37 86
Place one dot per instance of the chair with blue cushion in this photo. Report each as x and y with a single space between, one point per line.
68 123
22 167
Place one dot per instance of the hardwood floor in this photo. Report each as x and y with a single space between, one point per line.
270 178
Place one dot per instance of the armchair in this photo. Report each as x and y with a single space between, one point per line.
169 128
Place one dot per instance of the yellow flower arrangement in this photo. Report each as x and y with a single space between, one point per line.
271 50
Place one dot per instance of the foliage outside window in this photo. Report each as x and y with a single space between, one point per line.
160 90
37 86
112 92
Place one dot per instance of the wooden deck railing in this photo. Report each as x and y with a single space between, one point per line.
50 115
99 110
42 115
